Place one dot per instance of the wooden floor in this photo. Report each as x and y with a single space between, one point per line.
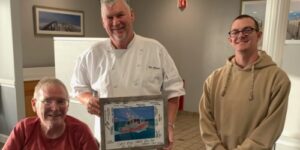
187 133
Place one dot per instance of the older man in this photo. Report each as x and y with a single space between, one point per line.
52 128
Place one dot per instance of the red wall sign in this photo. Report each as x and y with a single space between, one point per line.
181 4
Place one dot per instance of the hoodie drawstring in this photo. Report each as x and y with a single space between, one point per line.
251 97
226 81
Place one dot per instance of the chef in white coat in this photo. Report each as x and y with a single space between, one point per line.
126 64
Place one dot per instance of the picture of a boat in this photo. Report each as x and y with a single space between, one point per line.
134 125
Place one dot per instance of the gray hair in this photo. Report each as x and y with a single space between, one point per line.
110 2
45 82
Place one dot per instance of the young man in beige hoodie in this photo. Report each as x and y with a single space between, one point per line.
244 103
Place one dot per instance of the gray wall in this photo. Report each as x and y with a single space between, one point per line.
38 50
8 110
196 38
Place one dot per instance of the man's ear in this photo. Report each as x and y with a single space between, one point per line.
33 104
132 15
259 35
229 40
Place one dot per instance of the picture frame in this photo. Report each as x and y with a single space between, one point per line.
55 21
133 122
293 26
257 9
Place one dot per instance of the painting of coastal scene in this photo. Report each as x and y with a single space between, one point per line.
257 9
134 123
58 22
293 27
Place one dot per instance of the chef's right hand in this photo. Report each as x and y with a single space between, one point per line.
93 106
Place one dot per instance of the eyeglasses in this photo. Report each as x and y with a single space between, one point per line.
58 101
245 31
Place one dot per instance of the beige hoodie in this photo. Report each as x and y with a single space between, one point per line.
244 109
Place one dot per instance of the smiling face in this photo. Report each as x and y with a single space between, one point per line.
246 40
117 19
51 105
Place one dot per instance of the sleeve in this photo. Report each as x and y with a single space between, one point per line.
207 123
80 79
16 139
268 131
172 82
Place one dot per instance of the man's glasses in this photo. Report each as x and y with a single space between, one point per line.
58 101
244 31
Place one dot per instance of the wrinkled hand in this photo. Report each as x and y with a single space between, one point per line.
93 106
170 138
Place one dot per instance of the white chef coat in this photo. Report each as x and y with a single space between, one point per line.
144 68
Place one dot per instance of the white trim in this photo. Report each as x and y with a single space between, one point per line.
287 143
292 41
3 138
275 28
7 83
37 73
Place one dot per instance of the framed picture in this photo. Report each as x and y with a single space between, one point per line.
293 27
133 122
256 9
53 21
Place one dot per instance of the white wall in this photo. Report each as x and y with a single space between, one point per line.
72 47
290 138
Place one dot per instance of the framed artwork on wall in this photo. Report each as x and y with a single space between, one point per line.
53 21
133 122
257 9
293 26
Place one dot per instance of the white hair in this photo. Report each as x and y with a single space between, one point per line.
45 82
110 2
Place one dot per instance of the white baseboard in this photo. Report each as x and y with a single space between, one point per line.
3 138
287 143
